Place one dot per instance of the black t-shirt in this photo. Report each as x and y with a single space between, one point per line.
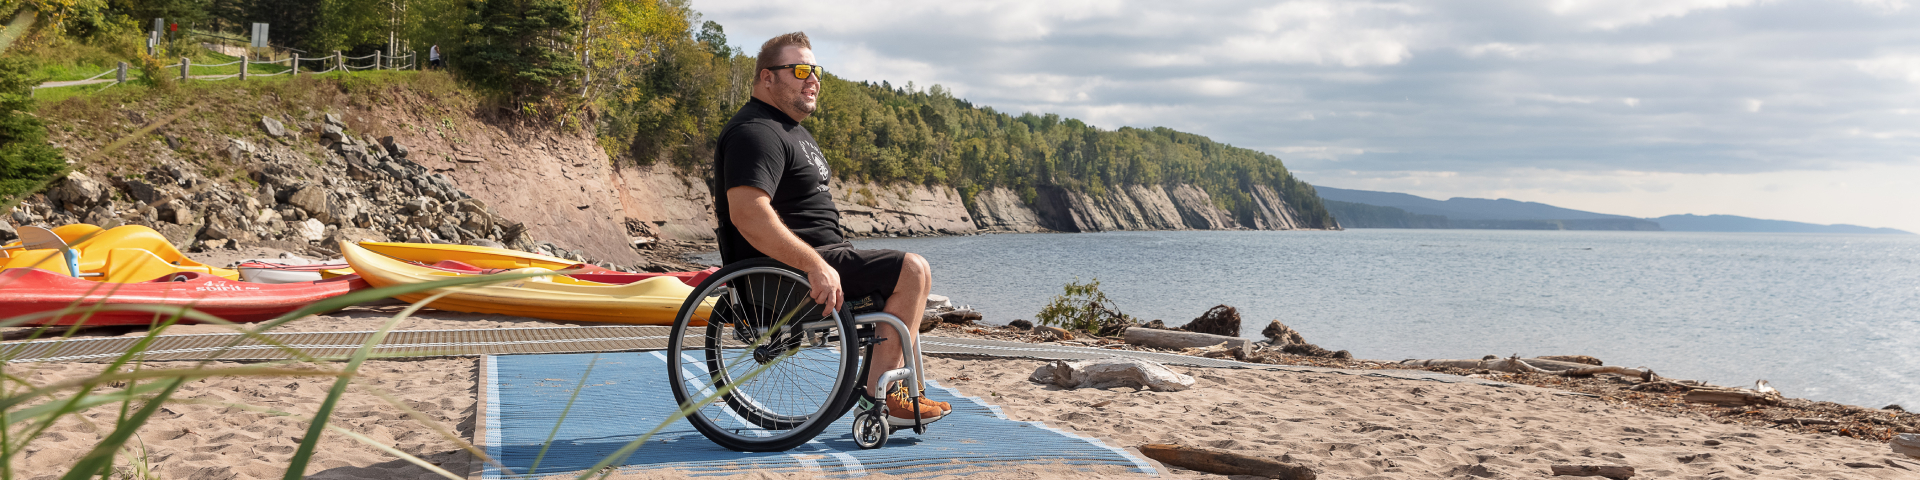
762 147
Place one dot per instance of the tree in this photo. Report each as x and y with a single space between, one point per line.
27 162
515 48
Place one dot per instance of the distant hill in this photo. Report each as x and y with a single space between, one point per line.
1730 223
1459 208
1371 209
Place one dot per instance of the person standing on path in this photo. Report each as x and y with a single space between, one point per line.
433 57
771 196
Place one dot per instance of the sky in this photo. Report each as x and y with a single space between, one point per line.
1802 110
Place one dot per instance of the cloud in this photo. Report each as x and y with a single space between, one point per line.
1511 90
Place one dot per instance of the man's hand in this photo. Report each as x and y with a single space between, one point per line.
752 212
826 288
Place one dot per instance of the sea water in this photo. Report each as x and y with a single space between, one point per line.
1823 317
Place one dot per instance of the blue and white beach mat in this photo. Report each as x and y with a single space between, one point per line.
627 394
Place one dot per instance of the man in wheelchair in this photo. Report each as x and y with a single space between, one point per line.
771 196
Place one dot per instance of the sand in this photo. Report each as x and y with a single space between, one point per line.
1345 426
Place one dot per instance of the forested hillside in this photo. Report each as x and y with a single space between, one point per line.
654 86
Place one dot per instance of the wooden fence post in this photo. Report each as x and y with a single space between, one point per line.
121 77
186 69
379 60
243 66
295 64
339 61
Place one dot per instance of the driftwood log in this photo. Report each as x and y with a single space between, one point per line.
1174 339
1616 472
1536 365
1906 444
1731 397
1225 463
1055 333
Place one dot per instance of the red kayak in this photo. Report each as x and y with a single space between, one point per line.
31 290
591 273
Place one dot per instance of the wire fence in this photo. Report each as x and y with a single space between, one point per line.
332 63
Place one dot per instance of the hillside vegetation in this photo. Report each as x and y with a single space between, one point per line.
655 87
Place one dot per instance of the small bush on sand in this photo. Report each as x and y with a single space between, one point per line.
1083 307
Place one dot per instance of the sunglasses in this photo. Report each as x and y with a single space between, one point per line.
801 71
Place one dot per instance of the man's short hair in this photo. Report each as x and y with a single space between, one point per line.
770 51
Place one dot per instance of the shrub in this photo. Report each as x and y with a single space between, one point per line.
1083 307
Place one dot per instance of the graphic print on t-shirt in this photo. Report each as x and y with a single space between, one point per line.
818 160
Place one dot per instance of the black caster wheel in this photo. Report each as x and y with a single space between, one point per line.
869 430
920 429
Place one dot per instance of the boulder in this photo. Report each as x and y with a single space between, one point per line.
238 149
333 132
273 127
1111 373
1022 324
79 192
7 233
393 148
313 202
334 120
310 230
142 191
1219 320
353 235
936 301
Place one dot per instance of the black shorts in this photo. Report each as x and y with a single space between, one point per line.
864 273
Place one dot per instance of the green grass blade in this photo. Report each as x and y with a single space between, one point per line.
102 454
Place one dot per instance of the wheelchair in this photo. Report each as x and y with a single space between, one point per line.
773 367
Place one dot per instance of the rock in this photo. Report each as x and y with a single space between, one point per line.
352 235
1111 373
310 230
7 233
481 242
1225 463
1175 339
938 301
313 200
393 148
238 149
1906 444
334 133
1280 334
1156 324
334 120
1219 320
79 193
142 191
1310 350
274 127
928 322
1021 324
103 217
1615 472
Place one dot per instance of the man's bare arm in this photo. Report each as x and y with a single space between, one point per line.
752 212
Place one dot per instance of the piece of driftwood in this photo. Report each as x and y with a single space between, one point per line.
1055 333
1217 351
1807 421
1537 365
1906 444
1616 472
1581 359
1174 339
1731 397
1225 463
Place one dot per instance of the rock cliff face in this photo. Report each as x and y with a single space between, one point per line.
312 174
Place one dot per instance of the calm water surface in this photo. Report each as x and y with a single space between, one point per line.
1826 317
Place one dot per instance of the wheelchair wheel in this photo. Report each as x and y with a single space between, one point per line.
782 369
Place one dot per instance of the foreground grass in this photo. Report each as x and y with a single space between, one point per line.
133 392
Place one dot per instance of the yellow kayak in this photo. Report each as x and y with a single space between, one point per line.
654 301
483 257
124 254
